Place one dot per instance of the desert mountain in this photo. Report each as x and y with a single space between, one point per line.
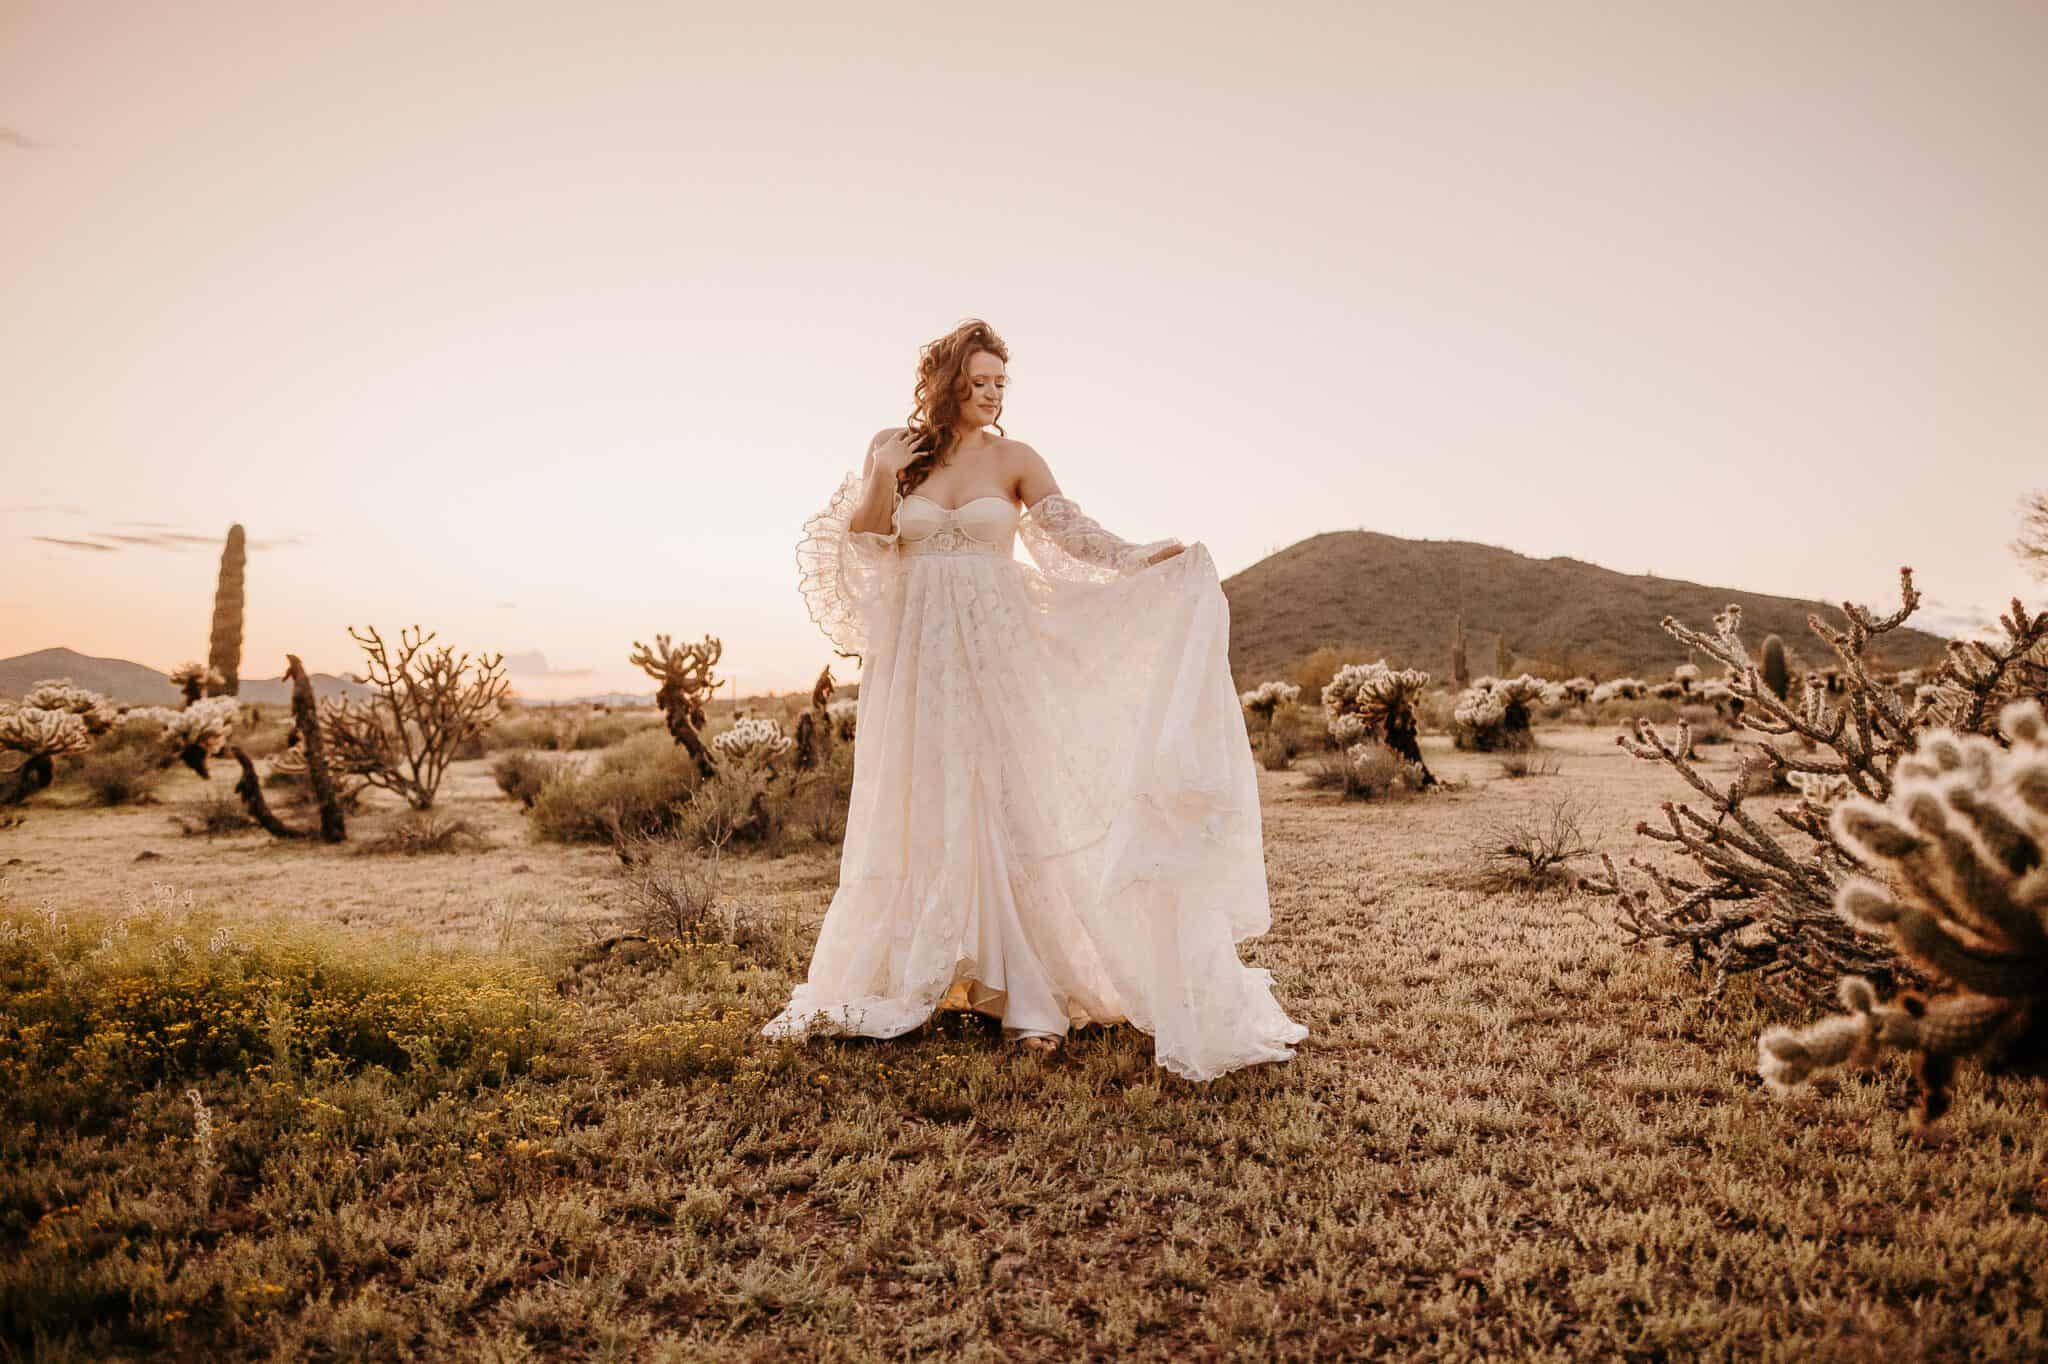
133 684
1375 596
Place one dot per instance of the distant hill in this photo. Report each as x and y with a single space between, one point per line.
133 684
1382 596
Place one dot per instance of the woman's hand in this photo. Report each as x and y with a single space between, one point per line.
893 455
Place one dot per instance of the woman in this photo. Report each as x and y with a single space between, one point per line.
1054 816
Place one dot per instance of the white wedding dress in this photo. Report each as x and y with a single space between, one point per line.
1054 814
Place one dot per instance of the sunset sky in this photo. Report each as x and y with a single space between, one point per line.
546 325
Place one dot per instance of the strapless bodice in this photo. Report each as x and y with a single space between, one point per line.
984 525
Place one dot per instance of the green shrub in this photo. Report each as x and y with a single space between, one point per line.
92 1016
640 787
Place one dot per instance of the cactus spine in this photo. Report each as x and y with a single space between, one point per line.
225 653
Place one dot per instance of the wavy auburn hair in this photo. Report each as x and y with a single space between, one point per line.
942 386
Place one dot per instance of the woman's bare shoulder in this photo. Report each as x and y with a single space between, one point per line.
1017 452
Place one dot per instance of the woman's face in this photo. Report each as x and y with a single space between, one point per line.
984 381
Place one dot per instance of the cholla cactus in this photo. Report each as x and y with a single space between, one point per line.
814 729
1822 788
42 736
1686 675
1962 846
1268 697
756 739
1977 679
195 679
58 693
687 683
1580 688
1349 729
1765 905
1384 700
425 705
843 715
200 731
1618 689
1493 713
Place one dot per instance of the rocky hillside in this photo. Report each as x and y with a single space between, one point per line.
1376 596
136 685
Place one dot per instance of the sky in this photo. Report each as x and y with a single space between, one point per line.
545 326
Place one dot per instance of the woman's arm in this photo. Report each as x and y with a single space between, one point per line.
875 513
1066 525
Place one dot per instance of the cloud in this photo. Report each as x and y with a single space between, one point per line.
73 544
176 541
534 663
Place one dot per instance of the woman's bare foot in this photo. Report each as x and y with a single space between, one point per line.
1047 1045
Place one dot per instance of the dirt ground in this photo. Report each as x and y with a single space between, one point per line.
68 854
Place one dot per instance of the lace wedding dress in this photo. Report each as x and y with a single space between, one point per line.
1054 814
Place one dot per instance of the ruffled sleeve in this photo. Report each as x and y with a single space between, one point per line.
1068 543
844 573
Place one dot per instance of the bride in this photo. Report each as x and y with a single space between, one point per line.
1054 817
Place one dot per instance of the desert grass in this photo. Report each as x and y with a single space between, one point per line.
1507 1135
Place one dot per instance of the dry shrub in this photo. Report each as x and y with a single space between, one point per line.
522 773
1528 763
216 812
743 804
822 796
426 831
1314 671
640 787
123 776
1436 712
670 888
1534 852
562 731
674 891
1365 771
1709 726
1274 753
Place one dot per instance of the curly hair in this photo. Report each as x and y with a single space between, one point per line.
942 386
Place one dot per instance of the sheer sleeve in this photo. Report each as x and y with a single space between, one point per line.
844 573
1066 542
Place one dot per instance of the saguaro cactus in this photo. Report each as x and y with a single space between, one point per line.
1461 672
225 653
1777 675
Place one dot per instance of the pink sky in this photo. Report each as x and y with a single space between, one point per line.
546 325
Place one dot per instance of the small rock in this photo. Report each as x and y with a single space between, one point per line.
147 856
